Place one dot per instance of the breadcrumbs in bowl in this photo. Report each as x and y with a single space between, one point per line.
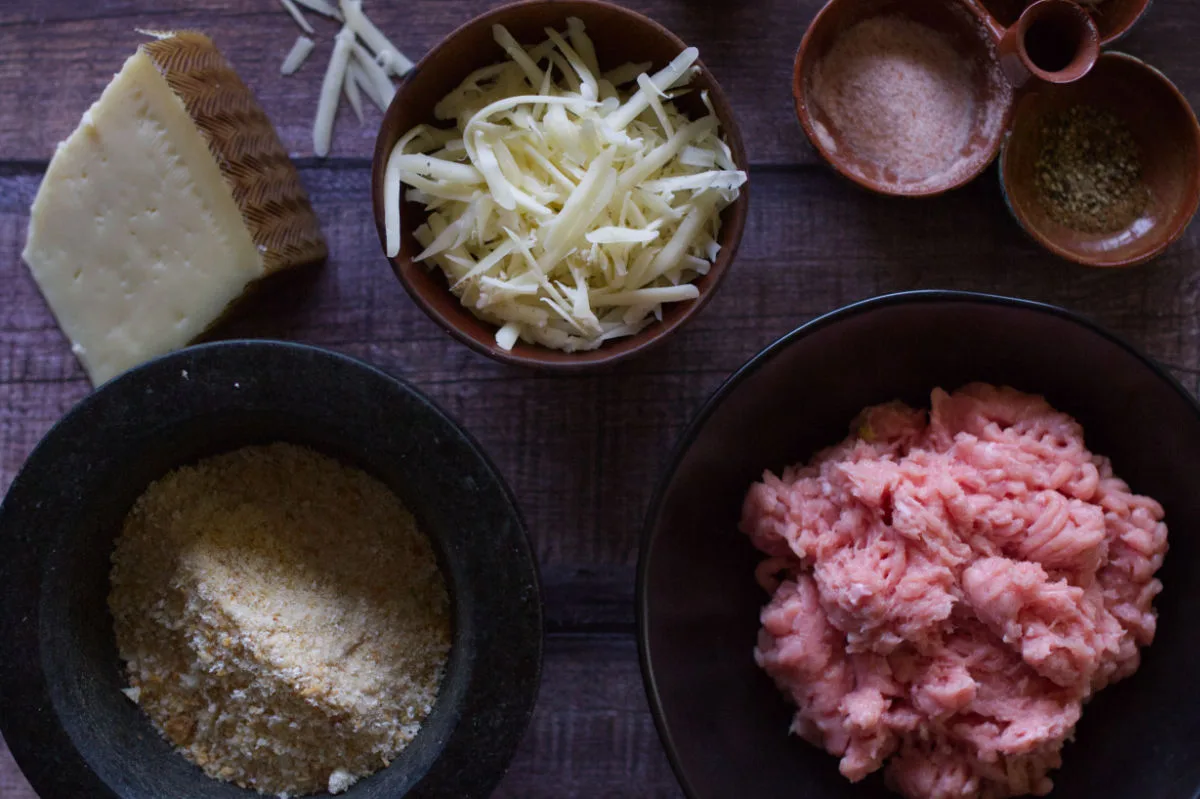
282 619
284 536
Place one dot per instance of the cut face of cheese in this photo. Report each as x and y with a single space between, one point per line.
140 238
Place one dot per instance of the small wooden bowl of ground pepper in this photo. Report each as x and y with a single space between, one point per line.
1104 171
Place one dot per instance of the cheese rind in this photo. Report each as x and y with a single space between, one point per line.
252 159
147 227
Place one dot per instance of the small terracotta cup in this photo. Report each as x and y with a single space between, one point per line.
1053 41
1168 137
1050 41
1113 18
968 31
620 36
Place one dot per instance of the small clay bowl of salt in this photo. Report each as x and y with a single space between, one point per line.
903 97
71 715
914 97
1104 171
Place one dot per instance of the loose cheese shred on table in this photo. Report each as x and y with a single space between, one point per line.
321 7
566 205
331 89
353 95
296 56
297 15
362 62
382 88
388 56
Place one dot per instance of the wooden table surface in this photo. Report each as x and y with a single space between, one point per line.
582 453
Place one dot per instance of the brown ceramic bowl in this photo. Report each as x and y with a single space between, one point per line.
620 36
1114 18
1167 134
968 31
723 722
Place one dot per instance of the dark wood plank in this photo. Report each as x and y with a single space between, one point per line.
583 453
591 737
85 50
12 783
748 45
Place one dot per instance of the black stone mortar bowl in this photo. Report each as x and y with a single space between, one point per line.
72 731
724 725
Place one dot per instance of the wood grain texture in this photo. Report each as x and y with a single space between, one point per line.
591 737
749 46
582 453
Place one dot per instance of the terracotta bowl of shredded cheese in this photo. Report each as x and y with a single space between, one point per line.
587 203
874 548
343 442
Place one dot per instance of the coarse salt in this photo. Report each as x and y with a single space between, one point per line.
900 97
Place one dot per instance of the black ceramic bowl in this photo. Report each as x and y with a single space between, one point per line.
61 710
723 723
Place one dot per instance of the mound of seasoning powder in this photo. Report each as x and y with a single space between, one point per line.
282 618
899 95
1088 173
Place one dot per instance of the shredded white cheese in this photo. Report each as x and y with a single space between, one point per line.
331 89
295 57
382 87
566 205
355 72
297 15
353 95
321 7
355 68
385 52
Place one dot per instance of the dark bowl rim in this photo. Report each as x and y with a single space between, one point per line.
522 551
654 335
734 381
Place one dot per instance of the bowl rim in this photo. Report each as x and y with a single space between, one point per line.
654 335
687 438
1120 33
1099 261
23 729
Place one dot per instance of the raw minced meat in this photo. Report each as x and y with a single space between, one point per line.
949 588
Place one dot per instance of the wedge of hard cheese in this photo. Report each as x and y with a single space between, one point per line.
168 201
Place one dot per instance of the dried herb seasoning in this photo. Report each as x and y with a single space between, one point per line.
1088 172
